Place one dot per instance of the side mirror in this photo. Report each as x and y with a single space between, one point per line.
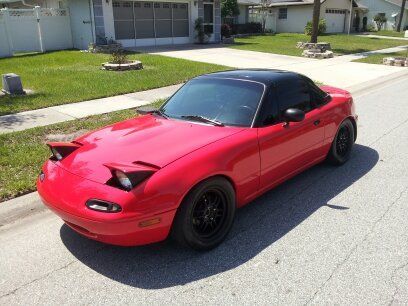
327 98
294 115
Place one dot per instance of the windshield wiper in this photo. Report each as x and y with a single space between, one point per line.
202 119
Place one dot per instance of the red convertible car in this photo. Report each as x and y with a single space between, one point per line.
182 170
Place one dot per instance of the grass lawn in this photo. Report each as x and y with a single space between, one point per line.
22 153
378 58
285 43
389 33
71 76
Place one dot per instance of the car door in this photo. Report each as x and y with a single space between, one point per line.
287 148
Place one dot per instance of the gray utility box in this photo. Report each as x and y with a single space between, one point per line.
12 84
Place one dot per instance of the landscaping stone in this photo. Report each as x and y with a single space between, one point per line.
315 50
228 40
322 46
12 84
107 49
396 61
317 54
132 65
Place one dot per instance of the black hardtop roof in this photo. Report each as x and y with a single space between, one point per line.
265 76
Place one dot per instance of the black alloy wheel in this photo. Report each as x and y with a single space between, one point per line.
206 214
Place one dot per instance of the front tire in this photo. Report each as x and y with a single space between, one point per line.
206 215
342 144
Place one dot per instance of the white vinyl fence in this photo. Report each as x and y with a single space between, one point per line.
270 20
38 29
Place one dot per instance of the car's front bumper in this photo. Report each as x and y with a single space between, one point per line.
66 194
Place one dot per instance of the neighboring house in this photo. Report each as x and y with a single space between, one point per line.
293 15
134 23
244 7
389 8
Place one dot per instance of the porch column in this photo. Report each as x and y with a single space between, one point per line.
217 20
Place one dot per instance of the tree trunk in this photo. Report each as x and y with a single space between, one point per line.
315 22
401 17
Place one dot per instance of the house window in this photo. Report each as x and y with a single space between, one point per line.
209 17
283 13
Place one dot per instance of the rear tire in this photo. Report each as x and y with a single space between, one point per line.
206 215
342 145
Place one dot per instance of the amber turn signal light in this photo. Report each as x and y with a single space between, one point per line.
149 222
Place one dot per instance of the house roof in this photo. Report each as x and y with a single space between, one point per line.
290 2
249 2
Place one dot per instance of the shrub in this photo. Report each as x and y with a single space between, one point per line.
247 28
371 28
380 20
321 28
226 30
229 8
201 33
119 57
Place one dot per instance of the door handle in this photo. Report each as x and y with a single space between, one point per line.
316 123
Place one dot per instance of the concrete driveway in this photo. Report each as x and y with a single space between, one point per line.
338 71
332 235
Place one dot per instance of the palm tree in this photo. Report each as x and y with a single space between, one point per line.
401 15
315 22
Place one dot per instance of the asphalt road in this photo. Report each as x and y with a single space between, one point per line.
330 235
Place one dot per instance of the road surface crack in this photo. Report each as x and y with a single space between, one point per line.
371 230
394 274
47 275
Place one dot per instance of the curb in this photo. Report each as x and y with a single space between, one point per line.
358 89
30 204
20 207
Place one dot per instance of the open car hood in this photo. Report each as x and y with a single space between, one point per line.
147 139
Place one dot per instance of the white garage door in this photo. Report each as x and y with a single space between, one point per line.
335 20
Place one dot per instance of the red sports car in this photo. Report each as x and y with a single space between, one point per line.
220 141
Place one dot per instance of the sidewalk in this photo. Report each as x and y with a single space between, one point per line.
385 37
55 114
339 71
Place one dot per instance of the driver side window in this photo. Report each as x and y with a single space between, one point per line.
294 93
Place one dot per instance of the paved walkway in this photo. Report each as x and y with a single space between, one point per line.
61 113
385 37
339 71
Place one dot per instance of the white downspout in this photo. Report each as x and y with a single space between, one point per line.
351 17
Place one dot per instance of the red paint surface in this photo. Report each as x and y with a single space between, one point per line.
183 154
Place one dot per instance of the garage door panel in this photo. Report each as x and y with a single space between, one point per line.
180 11
335 19
122 10
124 30
162 10
180 28
144 28
144 10
163 28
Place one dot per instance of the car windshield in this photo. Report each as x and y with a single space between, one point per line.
216 101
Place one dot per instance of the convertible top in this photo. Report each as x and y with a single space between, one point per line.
264 76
